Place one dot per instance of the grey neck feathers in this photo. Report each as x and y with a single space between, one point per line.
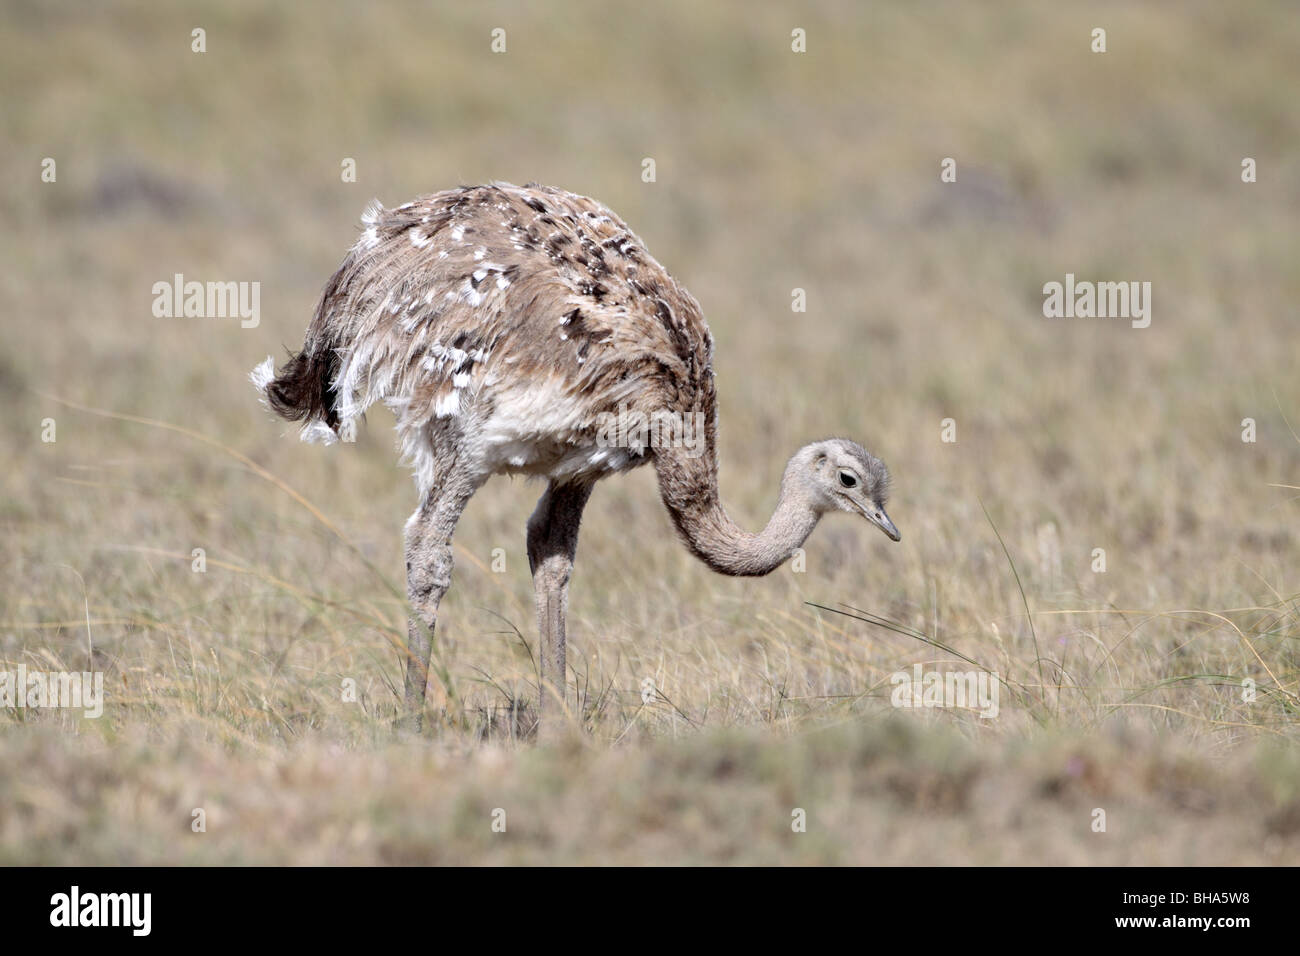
689 488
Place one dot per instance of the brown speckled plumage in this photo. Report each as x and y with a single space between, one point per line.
503 285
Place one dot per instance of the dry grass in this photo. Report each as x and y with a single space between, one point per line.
774 171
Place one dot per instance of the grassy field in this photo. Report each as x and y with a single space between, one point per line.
230 689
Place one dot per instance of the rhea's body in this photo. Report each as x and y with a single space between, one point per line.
520 314
505 326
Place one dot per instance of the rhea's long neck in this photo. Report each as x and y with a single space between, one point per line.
689 488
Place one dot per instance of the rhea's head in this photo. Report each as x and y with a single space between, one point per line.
840 475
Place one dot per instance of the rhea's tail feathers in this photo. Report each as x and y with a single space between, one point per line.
301 392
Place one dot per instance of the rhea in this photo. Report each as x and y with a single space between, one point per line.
504 326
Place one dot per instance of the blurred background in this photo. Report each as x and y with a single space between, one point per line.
774 170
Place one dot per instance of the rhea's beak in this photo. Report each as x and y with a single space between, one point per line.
877 516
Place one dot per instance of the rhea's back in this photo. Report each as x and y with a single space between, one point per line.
516 314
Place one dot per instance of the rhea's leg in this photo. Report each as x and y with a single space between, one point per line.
428 575
552 543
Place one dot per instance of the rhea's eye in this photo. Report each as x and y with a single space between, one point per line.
848 480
